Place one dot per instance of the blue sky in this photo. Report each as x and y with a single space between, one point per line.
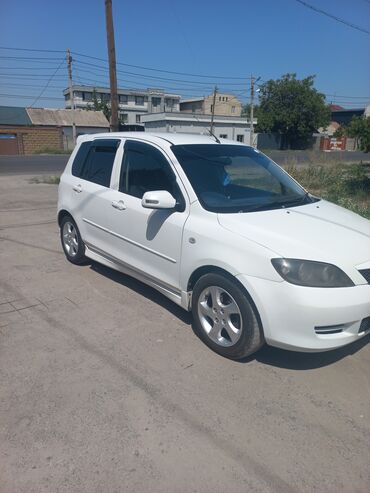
230 39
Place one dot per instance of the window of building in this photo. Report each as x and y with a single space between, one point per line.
138 118
123 98
145 169
123 117
240 138
139 100
94 161
66 96
226 99
233 109
86 96
211 108
223 136
105 97
156 101
219 98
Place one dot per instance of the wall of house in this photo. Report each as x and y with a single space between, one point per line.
67 137
34 139
222 130
129 104
226 105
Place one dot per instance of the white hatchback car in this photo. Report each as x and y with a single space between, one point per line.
223 231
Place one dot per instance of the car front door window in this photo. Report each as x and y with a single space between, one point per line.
145 169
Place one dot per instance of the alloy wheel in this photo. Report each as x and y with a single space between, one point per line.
70 239
220 316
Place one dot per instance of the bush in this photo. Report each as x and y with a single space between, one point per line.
345 185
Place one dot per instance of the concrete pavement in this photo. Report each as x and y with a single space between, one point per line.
104 386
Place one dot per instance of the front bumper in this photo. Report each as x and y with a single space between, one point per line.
290 314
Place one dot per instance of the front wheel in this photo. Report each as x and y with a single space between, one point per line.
225 318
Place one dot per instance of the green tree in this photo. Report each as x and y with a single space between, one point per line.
359 129
246 110
293 108
98 104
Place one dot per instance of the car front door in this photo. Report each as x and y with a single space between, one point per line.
147 240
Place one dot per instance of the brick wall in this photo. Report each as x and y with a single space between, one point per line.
34 139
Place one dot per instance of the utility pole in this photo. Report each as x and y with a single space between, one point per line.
71 97
114 125
251 113
253 81
213 109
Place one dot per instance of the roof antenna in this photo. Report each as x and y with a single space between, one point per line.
208 130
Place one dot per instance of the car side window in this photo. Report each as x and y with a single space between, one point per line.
145 169
94 161
80 158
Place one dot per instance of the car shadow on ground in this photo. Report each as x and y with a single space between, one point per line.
268 355
293 360
144 290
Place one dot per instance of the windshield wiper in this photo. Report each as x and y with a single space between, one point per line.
277 203
298 201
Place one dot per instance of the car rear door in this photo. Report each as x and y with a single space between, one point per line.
90 190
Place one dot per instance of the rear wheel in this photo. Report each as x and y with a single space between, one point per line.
225 318
72 243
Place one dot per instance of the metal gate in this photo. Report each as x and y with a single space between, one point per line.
8 144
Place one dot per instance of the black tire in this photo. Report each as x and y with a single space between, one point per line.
247 323
76 254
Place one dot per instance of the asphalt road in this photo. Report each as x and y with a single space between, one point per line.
105 388
54 164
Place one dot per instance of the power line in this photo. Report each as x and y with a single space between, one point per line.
155 77
30 49
331 16
47 84
25 59
348 97
16 84
21 96
30 76
28 68
126 64
161 70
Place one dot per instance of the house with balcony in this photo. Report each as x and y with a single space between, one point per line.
132 103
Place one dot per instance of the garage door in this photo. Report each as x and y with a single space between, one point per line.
8 144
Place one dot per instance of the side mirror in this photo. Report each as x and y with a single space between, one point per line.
158 199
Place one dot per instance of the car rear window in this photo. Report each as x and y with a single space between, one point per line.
94 161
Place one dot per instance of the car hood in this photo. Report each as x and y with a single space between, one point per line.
319 231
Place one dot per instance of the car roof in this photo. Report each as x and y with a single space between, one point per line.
159 137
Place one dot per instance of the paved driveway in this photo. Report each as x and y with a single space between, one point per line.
105 388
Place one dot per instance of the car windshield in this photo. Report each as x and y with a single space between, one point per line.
237 178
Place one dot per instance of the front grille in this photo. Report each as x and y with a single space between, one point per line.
365 325
366 274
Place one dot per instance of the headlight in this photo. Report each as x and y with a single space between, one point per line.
310 273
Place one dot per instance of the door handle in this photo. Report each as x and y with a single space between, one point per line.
77 188
118 205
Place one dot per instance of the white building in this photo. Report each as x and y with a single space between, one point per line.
133 103
234 128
